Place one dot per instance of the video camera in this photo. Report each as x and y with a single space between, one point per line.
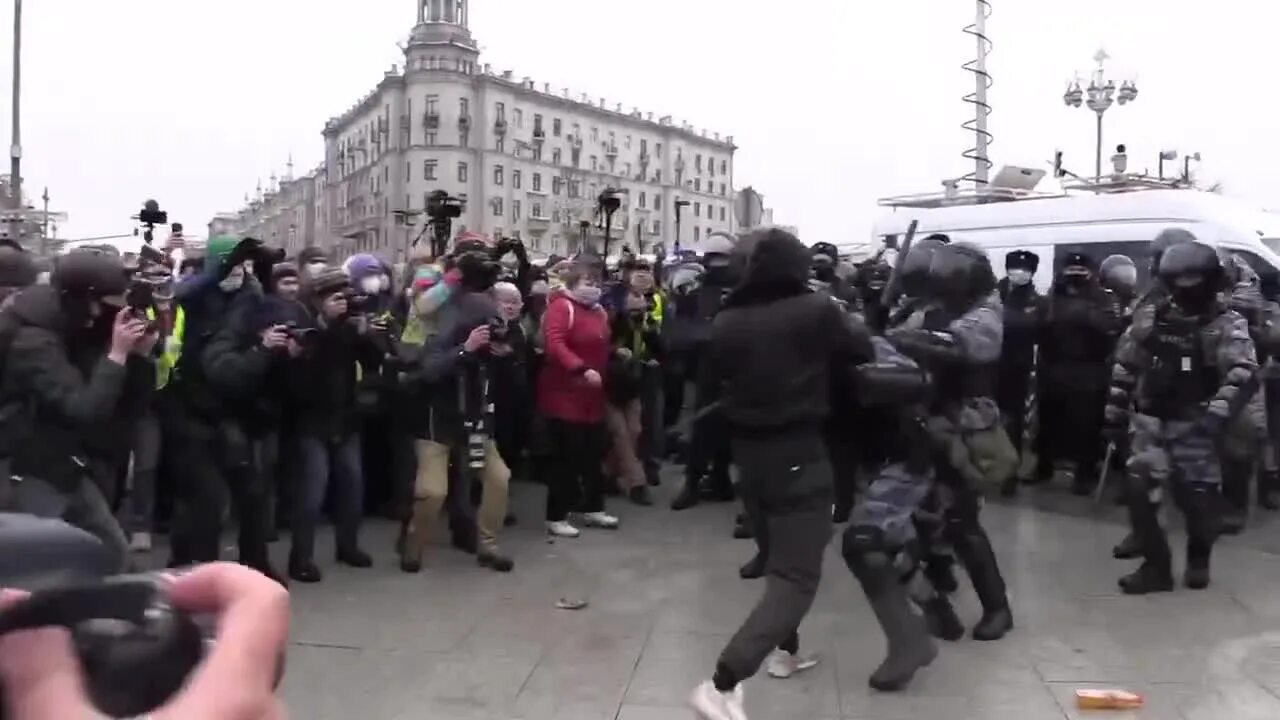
442 208
150 216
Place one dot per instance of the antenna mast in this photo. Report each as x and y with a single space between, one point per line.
978 98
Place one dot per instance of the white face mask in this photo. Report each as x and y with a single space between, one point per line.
1018 278
371 285
586 294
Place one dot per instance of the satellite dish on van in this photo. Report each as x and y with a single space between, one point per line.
1018 178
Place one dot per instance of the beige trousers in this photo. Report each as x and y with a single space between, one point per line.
623 461
431 487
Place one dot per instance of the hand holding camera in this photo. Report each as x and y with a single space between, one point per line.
477 340
126 332
276 337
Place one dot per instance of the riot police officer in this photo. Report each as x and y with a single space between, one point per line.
957 337
881 545
1188 367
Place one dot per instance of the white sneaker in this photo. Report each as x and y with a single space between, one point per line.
562 529
783 664
601 520
140 542
711 704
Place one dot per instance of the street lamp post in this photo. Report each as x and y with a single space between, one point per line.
680 205
15 148
1101 95
608 203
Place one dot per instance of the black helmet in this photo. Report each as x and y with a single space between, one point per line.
90 273
1118 273
1165 240
915 266
961 273
1193 274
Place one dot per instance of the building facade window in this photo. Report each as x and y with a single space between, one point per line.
537 152
433 107
537 182
626 142
500 145
515 179
696 232
535 210
641 200
595 164
724 167
518 115
462 172
500 112
697 209
555 156
429 169
497 208
575 188
515 210
722 191
555 127
657 149
657 227
499 175
431 139
657 201
722 213
595 134
697 163
697 184
464 107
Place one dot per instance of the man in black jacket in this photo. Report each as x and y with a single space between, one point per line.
769 363
324 396
1023 312
75 363
1077 339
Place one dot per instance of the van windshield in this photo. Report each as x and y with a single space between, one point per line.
1273 244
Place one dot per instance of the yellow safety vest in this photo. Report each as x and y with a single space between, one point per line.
655 315
172 346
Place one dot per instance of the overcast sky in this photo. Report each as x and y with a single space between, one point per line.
833 103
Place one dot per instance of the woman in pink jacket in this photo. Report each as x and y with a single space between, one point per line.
571 399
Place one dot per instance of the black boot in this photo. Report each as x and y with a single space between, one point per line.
304 571
974 550
354 557
1202 507
688 496
1128 548
754 569
640 496
1155 573
1236 476
942 620
907 637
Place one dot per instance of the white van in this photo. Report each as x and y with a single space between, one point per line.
1097 224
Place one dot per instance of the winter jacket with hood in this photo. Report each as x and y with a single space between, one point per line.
776 345
62 399
575 339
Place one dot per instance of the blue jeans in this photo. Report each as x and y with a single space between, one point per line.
323 460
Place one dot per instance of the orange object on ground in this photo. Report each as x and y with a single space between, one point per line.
1108 700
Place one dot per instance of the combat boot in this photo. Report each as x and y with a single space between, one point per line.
1128 548
941 619
1148 578
909 646
1269 489
974 550
1202 508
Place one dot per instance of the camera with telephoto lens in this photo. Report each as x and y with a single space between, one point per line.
300 335
442 208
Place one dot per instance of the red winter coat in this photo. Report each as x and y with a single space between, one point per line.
575 338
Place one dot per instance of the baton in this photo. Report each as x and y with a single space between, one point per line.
1106 470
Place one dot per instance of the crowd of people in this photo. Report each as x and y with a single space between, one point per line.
137 397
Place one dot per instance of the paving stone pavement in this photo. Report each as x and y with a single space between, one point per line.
460 643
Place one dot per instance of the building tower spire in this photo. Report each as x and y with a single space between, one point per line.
449 12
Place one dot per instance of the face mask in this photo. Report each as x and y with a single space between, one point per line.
1019 278
586 294
371 285
231 283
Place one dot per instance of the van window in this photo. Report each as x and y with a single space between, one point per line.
1136 250
1259 265
1272 244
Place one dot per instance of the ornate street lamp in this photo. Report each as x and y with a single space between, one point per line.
1101 94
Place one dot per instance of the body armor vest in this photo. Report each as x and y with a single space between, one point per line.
1182 374
956 382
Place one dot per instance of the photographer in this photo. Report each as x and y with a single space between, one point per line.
323 394
204 429
76 362
461 365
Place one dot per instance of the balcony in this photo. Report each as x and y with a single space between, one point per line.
500 126
539 134
611 150
644 157
431 120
